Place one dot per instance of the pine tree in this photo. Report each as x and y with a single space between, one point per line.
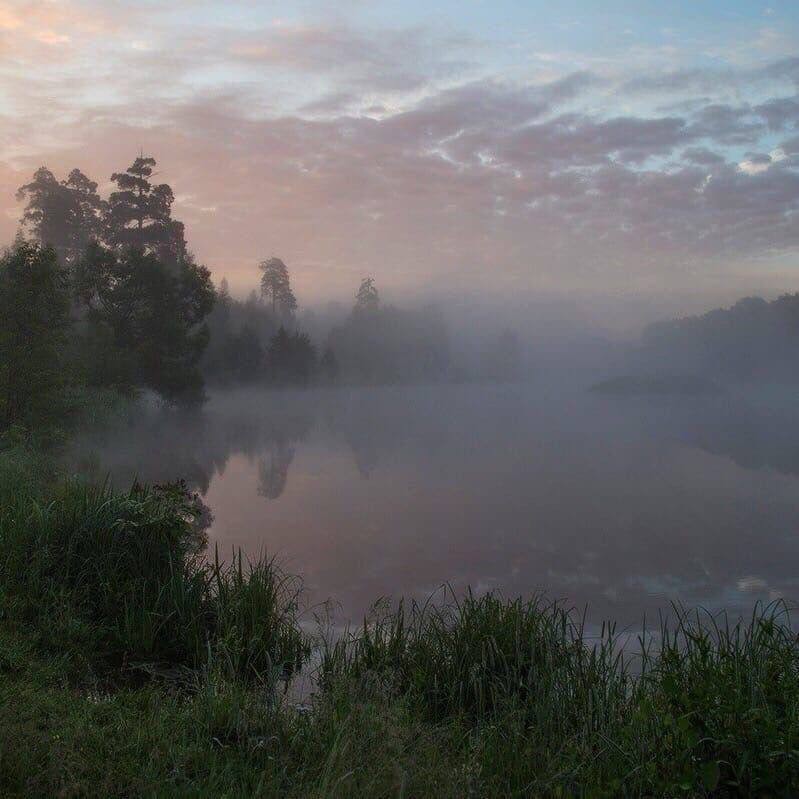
140 214
89 211
276 287
367 298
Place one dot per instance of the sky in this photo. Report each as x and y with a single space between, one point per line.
641 152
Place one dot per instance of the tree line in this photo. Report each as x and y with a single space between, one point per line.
753 340
104 292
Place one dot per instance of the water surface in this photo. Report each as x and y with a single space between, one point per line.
621 504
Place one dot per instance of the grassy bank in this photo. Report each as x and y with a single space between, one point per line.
130 666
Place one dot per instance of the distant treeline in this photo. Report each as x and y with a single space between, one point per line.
104 293
753 340
260 340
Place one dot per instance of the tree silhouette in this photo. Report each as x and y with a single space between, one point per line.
34 315
290 357
328 366
65 215
140 214
223 295
155 313
367 298
48 213
89 210
276 287
244 355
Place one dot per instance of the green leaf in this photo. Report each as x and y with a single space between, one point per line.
710 775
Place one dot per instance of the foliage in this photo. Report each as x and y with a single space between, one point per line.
140 300
383 344
753 340
140 214
329 368
239 333
34 315
477 697
243 356
146 319
367 298
290 358
65 215
119 580
275 286
714 710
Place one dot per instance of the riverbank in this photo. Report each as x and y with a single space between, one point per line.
129 666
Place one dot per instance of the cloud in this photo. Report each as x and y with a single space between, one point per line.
388 60
353 151
780 113
701 156
727 124
755 163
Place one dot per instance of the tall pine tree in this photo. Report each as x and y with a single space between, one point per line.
276 287
140 214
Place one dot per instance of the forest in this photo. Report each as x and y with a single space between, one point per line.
105 294
753 340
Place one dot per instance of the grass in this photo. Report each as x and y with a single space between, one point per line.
120 579
131 665
714 709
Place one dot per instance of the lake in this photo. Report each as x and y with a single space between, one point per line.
621 504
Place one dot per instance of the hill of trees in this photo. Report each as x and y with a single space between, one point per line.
753 340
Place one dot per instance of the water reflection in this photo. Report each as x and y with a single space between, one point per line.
273 470
624 505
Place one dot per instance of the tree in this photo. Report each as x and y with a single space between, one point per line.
388 345
223 297
48 211
276 287
156 315
89 211
65 215
328 366
34 315
290 357
367 298
244 355
140 214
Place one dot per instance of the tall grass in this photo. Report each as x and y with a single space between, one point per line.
478 655
713 708
122 577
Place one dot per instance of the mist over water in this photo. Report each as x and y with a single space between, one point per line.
624 504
